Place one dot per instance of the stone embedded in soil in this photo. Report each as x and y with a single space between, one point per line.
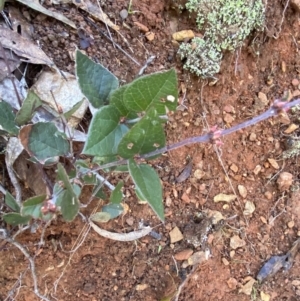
264 296
236 242
175 235
252 137
263 98
234 168
296 4
268 195
291 224
257 169
183 255
183 35
222 197
225 261
232 283
124 14
198 258
242 191
185 198
292 127
199 174
249 208
228 118
295 82
273 163
150 36
284 181
247 288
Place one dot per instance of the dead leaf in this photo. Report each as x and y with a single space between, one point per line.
175 235
185 173
273 163
66 92
34 4
247 288
284 181
28 51
95 12
249 208
13 61
224 197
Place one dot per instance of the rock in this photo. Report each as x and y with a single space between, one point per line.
247 288
232 283
141 26
263 98
236 242
249 208
292 127
291 224
242 191
257 169
198 258
273 163
124 14
234 168
175 235
295 81
295 4
183 35
221 197
150 36
199 174
284 181
252 137
225 261
184 255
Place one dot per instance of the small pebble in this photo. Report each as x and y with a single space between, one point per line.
291 224
295 82
124 14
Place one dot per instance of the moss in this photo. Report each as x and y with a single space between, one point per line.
225 25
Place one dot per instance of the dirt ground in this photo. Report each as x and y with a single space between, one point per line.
77 265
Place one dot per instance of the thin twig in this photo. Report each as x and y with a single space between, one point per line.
282 19
106 36
5 237
14 181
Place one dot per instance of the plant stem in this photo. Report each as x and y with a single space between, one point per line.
213 136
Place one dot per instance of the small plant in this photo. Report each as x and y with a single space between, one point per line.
126 129
225 25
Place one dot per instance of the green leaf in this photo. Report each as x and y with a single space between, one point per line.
95 81
10 201
7 119
100 217
158 90
43 141
117 195
148 184
69 204
74 109
104 133
32 206
30 104
15 219
117 100
114 210
145 136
